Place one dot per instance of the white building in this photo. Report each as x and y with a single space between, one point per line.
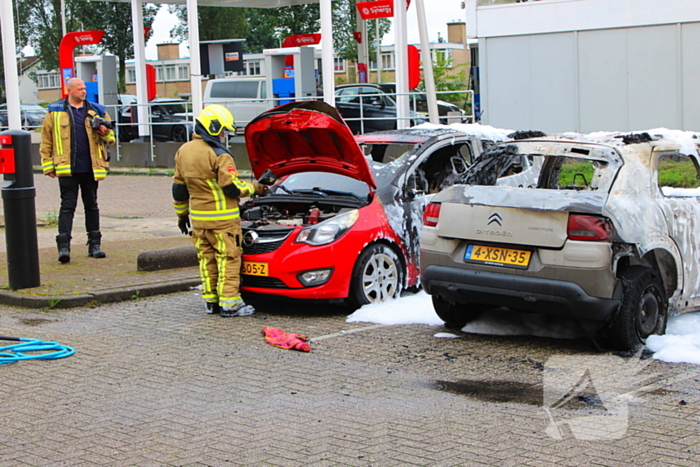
588 65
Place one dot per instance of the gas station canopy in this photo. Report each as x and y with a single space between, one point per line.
238 3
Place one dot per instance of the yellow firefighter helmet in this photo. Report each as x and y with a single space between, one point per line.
214 118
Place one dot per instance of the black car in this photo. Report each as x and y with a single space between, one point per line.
378 110
366 108
418 101
32 116
170 120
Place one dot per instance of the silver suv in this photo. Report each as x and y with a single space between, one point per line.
598 236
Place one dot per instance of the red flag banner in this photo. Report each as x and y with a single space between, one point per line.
65 52
378 9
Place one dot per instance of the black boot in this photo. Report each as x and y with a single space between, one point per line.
63 242
94 244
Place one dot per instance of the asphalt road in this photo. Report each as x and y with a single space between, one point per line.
157 382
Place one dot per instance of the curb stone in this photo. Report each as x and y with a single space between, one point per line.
19 299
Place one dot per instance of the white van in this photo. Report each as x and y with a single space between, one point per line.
246 98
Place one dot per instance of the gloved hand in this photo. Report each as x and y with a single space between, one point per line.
184 223
260 189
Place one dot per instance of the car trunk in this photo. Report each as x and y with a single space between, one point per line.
514 215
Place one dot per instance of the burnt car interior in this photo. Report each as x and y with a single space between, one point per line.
441 169
556 173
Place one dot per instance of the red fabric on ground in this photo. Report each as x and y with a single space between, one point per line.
283 340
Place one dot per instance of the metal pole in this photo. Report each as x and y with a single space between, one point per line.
140 67
63 17
401 51
9 59
379 52
195 65
427 60
327 52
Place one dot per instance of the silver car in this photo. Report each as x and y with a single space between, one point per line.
597 236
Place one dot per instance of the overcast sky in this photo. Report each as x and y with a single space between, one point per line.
437 19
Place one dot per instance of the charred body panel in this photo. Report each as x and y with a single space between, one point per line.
643 227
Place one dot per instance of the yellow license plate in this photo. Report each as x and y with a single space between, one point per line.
497 256
254 269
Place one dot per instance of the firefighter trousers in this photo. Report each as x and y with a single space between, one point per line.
219 252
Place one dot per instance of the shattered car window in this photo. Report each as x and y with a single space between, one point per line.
677 175
385 153
544 171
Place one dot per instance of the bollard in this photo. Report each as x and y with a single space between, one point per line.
18 194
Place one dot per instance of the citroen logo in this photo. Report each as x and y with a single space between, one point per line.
250 238
495 218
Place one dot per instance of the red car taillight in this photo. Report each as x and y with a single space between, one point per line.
431 214
589 228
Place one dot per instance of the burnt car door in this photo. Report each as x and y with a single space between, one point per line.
438 166
681 207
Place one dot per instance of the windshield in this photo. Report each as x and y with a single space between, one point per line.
173 109
325 183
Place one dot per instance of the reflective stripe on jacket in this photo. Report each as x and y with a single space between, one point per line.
204 173
57 149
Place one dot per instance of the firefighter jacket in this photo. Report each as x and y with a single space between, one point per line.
57 147
206 186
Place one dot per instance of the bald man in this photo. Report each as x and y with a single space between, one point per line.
74 150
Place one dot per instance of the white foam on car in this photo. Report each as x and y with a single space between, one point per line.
681 343
477 130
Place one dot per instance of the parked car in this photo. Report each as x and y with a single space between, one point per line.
366 108
170 120
246 98
127 99
598 237
418 101
342 223
32 116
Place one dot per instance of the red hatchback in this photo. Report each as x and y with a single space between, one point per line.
342 221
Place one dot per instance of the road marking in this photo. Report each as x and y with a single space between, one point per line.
345 333
660 384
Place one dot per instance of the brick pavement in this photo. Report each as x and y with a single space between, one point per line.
157 382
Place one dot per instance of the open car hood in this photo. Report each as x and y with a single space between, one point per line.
305 137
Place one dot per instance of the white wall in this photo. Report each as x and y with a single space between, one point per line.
546 16
28 90
613 79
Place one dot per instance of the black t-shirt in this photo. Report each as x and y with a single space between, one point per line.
83 162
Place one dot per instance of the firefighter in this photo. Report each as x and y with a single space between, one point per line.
206 189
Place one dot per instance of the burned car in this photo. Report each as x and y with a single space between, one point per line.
599 237
342 221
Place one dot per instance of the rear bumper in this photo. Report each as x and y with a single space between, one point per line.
548 296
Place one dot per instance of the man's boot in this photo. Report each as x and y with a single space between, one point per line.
94 245
63 242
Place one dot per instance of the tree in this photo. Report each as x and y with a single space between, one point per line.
266 28
261 30
115 19
448 78
215 23
42 27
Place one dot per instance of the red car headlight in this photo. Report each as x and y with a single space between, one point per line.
328 231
